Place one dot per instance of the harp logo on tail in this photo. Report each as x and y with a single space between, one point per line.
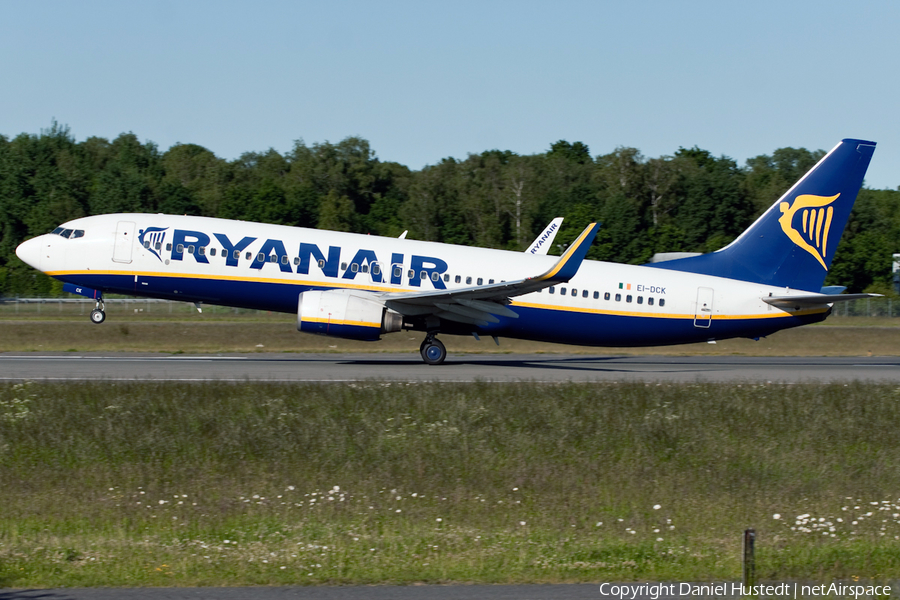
815 214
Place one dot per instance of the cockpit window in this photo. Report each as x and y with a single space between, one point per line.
68 233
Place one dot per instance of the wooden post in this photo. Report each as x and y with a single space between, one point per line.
749 578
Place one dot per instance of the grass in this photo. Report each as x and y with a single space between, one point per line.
140 326
216 336
219 484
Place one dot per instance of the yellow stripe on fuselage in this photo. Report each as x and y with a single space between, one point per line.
376 288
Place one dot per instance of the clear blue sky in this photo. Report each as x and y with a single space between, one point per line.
426 80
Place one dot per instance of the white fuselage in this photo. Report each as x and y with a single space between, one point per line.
254 265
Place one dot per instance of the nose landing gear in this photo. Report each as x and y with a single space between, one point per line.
98 315
432 350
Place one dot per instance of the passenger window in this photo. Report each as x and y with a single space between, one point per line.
159 245
574 292
354 268
628 298
480 281
179 248
147 244
201 250
376 269
662 301
423 274
606 296
343 266
596 295
411 274
191 249
365 268
260 257
552 290
457 279
640 299
321 263
248 255
284 259
446 277
468 281
562 291
168 247
650 301
435 276
237 254
212 251
397 271
273 258
296 260
618 297
490 281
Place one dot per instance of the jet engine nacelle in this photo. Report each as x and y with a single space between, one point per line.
340 313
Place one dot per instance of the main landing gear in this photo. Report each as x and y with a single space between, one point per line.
432 350
98 315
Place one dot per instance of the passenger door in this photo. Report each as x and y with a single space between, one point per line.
124 242
704 308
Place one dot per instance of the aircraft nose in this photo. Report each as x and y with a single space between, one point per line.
30 252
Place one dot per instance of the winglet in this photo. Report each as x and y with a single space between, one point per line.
570 262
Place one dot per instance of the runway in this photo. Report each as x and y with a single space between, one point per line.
458 368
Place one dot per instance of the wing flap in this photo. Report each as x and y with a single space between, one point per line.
467 312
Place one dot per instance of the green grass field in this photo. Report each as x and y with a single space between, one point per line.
220 330
217 484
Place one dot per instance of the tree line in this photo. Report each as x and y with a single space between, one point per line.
689 201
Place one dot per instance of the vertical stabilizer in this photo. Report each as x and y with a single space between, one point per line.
793 243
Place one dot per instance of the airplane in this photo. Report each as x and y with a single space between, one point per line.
361 286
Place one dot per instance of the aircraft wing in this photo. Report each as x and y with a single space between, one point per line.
478 305
813 299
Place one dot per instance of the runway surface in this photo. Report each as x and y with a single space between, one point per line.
413 592
458 368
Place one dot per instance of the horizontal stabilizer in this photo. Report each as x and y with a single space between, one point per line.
813 300
665 256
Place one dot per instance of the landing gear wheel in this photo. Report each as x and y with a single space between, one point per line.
97 316
433 351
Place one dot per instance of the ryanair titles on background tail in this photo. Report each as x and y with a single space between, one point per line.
655 591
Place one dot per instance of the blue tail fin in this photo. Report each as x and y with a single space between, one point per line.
792 244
